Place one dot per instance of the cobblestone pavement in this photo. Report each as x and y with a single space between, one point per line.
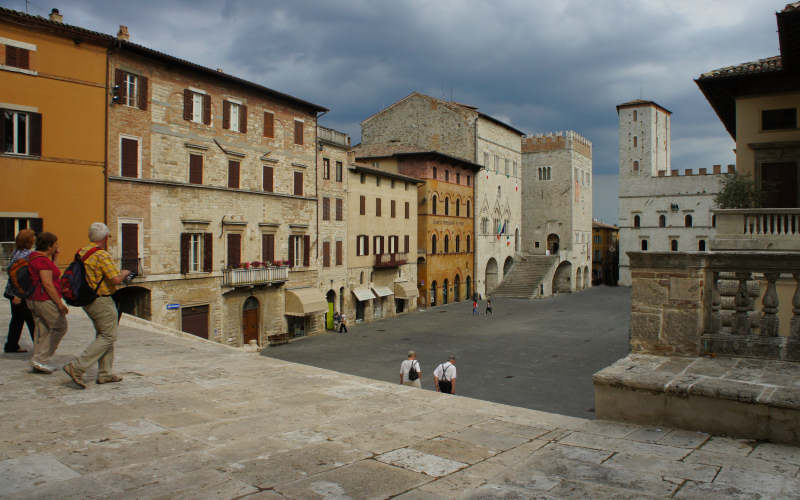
198 420
538 354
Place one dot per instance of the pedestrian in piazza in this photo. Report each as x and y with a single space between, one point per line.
475 308
444 376
406 374
20 314
343 324
489 307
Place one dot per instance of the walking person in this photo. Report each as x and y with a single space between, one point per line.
444 376
49 311
104 276
475 308
409 376
20 314
343 324
489 307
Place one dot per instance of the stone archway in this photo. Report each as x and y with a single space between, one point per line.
134 300
250 320
330 297
552 243
507 265
491 275
579 279
562 279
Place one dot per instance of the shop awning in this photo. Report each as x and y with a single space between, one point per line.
363 294
382 291
304 301
405 290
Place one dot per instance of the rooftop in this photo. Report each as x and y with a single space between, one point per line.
749 68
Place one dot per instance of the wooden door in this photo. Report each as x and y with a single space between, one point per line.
194 320
234 250
779 184
250 320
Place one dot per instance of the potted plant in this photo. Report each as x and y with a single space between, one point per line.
255 264
246 265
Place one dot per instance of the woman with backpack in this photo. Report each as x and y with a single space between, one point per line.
20 314
49 311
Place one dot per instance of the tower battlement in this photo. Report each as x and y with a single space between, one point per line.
554 141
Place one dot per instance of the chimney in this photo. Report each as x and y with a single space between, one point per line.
56 17
123 34
703 171
717 169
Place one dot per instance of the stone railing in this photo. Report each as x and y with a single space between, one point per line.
335 136
725 303
757 229
255 276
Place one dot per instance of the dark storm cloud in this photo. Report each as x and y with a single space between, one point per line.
541 66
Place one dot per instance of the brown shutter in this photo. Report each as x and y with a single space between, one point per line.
233 174
11 56
366 245
269 124
35 130
208 253
291 250
268 182
243 118
326 254
3 144
187 104
338 253
408 208
185 241
306 249
393 208
142 92
23 61
234 250
268 247
326 208
130 160
298 183
207 109
226 115
377 207
363 205
130 247
406 240
339 209
195 169
298 132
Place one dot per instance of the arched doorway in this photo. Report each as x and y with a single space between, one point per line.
552 243
579 279
250 320
330 297
134 300
432 300
562 278
456 289
468 294
507 266
444 292
491 275
586 277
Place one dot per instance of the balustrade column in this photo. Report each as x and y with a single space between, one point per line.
716 303
769 318
794 325
741 323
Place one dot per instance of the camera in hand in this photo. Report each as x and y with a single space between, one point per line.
130 277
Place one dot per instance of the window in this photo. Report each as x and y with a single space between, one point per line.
701 245
635 115
674 245
298 183
377 181
485 225
268 182
458 243
299 247
713 221
635 141
496 163
298 132
377 245
234 116
406 243
433 244
326 168
408 210
326 208
447 206
268 248
468 180
129 157
467 208
339 252
130 84
269 124
435 175
447 176
338 171
234 250
362 209
326 254
516 169
392 209
446 243
196 107
196 252
637 221
21 132
486 160
233 174
458 208
539 171
195 169
17 57
393 244
644 245
778 119
458 178
362 245
662 220
507 164
377 207
468 243
339 209
687 221
433 205
635 166
130 90
11 226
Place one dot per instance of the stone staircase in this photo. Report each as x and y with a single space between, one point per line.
522 281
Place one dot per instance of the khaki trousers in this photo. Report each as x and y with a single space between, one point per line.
51 326
103 314
414 383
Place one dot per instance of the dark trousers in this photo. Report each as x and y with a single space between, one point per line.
446 386
342 326
20 314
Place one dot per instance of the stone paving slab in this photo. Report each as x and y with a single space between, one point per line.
197 420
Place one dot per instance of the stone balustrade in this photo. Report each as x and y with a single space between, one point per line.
757 229
255 276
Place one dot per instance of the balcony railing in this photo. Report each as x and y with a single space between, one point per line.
333 136
390 259
757 229
255 276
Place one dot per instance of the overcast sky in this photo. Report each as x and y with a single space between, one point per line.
540 66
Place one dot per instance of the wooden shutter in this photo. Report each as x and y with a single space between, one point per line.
130 247
142 97
375 248
298 132
269 124
268 182
35 131
326 254
207 109
243 118
11 56
234 250
339 208
339 253
3 144
408 209
406 240
392 208
298 183
291 250
326 208
226 115
188 103
23 61
366 245
130 158
362 205
268 247
233 174
119 82
195 169
377 207
185 242
208 252
306 249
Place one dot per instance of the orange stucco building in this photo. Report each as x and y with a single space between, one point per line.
52 129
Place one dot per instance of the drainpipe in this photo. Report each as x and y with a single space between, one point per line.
316 177
106 106
475 236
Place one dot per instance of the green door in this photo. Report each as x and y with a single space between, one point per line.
329 316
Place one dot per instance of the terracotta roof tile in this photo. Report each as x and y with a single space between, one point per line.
768 65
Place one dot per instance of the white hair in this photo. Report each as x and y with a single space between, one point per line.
97 232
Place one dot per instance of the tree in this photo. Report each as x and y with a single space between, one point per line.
738 191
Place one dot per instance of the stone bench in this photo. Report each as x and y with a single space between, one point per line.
739 397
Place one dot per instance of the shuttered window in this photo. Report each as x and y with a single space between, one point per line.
339 209
298 183
326 209
195 169
20 132
362 208
130 247
132 89
326 168
326 254
298 132
268 248
196 252
338 171
392 206
269 124
234 250
306 250
339 253
17 57
377 207
129 157
268 179
233 174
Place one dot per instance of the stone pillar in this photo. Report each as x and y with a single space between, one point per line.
769 318
741 323
794 328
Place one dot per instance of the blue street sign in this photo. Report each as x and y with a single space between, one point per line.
171 307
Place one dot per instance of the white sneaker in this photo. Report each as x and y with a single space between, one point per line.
42 368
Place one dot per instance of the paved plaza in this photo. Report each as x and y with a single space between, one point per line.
538 354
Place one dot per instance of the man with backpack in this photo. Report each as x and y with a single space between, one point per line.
410 371
103 276
444 376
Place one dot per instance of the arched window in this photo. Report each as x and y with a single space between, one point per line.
458 208
468 250
433 244
701 245
637 221
688 220
447 206
636 166
458 243
540 173
434 172
674 245
662 220
644 245
446 243
433 204
467 208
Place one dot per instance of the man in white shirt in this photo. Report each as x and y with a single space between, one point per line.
444 376
405 367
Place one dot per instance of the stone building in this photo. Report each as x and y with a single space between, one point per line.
660 208
605 253
445 262
430 124
382 231
557 203
212 196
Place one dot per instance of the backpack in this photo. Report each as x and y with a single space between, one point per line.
74 288
20 280
413 374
